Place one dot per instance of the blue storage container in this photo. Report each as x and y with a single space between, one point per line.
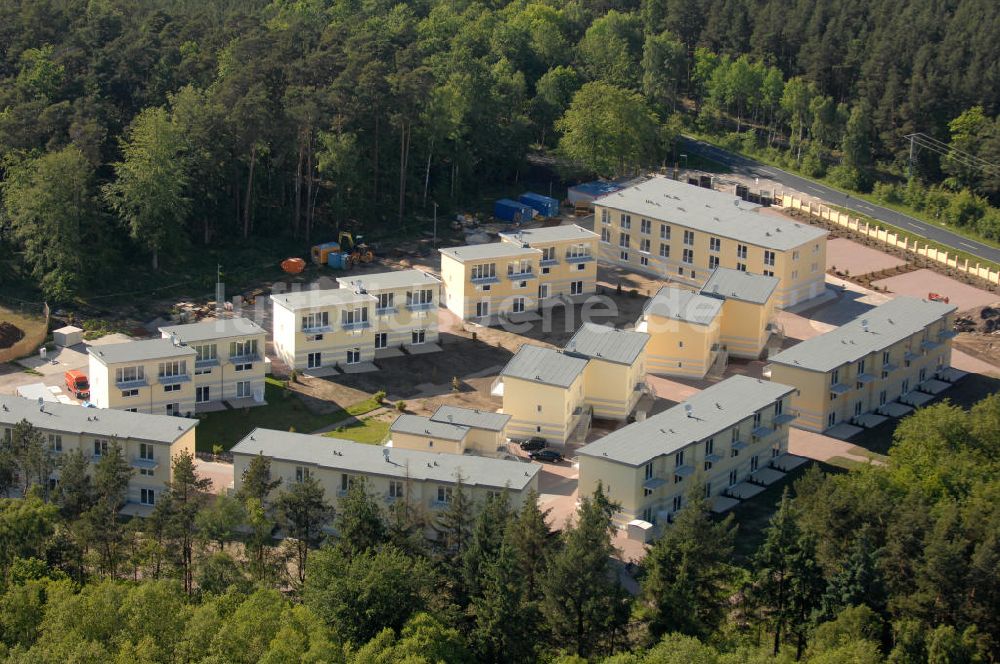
543 205
507 210
335 260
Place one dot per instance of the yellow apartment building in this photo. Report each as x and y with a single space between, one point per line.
568 264
724 434
323 329
748 310
542 391
615 376
452 430
229 362
149 376
684 329
883 361
148 442
486 281
406 307
681 233
428 480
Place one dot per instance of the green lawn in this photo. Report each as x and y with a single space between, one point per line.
369 430
282 412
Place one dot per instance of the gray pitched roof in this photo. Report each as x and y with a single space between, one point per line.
337 454
102 422
316 298
712 410
709 211
879 328
480 252
602 342
417 425
547 234
139 351
683 305
216 328
544 365
474 419
389 280
728 283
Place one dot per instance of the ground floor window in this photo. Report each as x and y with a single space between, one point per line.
518 305
543 291
418 337
482 309
201 394
147 496
623 255
575 287
173 408
831 419
733 476
243 389
314 360
677 503
754 461
381 340
644 260
353 355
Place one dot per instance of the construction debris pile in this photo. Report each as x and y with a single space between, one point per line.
982 320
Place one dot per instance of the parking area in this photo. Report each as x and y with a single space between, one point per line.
843 254
921 282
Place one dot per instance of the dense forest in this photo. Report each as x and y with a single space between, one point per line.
137 131
896 562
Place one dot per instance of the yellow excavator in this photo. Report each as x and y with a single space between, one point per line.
355 248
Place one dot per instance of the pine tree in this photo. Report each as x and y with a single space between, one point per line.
257 482
111 478
75 492
858 582
455 523
487 536
360 523
531 539
685 586
187 494
504 630
584 603
302 511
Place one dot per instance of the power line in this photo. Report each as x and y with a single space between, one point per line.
923 141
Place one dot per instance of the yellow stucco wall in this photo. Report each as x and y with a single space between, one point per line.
293 344
611 388
801 269
503 296
151 398
408 441
542 410
557 275
679 348
743 327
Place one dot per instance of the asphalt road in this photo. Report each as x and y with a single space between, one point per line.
749 168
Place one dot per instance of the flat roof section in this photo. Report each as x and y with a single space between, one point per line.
683 305
351 457
547 234
388 280
102 422
318 298
739 285
216 328
545 366
472 418
482 252
606 343
871 332
139 351
714 409
709 211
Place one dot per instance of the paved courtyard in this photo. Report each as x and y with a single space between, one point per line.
843 254
921 282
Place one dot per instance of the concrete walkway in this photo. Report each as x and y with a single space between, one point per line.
818 447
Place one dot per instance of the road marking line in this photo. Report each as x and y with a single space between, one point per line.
966 244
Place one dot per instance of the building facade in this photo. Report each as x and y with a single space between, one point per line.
615 377
406 309
877 359
543 392
748 310
151 376
148 442
322 329
229 362
485 281
684 329
568 264
722 435
681 233
452 430
428 480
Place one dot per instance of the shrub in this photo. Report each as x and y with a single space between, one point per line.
401 405
887 192
379 396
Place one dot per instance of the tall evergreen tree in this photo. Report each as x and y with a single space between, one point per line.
257 481
360 523
455 523
685 587
302 511
504 631
531 539
187 491
584 604
484 544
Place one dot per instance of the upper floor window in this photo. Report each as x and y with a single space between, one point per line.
316 320
626 221
645 226
689 238
714 244
206 352
243 348
769 258
605 216
741 251
129 374
423 296
173 368
578 251
664 232
385 300
484 271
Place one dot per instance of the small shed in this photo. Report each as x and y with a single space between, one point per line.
543 205
588 192
506 209
67 336
640 530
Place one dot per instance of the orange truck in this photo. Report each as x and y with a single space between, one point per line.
76 383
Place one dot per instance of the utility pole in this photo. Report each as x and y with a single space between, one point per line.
220 290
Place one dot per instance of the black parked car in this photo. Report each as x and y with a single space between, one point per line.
550 456
533 444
